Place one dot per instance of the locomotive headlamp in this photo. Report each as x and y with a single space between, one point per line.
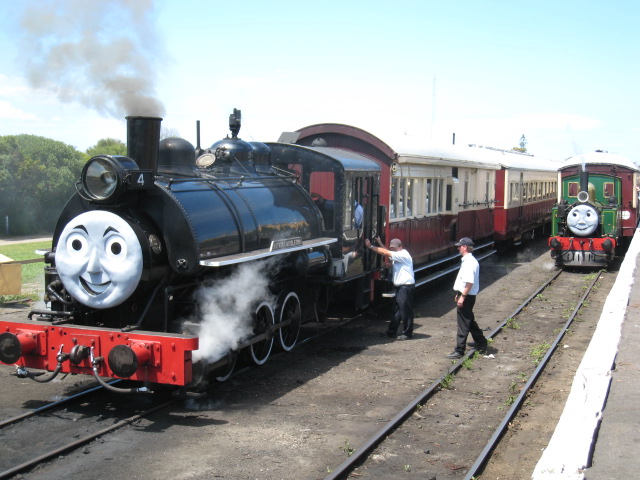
101 177
105 178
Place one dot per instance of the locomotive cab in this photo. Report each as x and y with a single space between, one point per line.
345 187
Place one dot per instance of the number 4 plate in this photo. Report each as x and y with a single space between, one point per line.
140 179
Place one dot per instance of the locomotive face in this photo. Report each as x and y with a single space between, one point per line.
582 220
99 259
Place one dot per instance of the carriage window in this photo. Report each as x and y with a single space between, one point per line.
486 189
401 194
393 210
514 187
574 188
466 188
438 194
428 194
409 202
608 189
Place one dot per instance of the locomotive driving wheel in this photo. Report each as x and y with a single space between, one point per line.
263 326
291 311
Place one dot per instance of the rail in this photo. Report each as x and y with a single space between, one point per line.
360 455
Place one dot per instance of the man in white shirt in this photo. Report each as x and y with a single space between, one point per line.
467 286
404 281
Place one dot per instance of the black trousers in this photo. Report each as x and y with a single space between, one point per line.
467 324
402 311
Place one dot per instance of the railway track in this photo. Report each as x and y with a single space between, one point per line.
299 414
49 406
365 459
79 419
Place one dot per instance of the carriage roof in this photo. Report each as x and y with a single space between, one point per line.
600 158
418 150
474 156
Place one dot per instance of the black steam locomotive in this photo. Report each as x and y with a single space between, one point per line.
173 250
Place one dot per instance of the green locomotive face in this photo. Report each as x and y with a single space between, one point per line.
604 193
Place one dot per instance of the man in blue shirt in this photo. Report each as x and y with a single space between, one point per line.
358 213
466 287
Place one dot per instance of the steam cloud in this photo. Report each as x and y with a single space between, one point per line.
100 53
227 306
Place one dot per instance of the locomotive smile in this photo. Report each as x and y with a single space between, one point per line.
94 288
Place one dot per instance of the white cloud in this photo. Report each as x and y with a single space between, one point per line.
8 111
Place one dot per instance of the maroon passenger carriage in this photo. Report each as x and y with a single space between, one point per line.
430 197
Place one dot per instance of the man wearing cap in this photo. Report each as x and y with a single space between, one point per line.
404 281
466 287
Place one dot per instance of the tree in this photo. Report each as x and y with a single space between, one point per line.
37 178
169 132
523 145
107 146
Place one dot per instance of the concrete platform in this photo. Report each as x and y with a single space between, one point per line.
617 449
598 434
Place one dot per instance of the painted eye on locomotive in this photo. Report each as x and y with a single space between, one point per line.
99 259
582 220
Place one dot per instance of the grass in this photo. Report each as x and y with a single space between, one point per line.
447 381
511 323
538 352
468 362
32 273
348 449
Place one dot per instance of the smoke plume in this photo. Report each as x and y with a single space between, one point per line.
226 309
100 53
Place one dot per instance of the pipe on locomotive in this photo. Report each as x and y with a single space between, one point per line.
143 141
584 180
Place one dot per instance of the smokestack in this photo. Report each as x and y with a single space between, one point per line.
143 140
584 180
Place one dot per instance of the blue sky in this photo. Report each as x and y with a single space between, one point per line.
563 73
